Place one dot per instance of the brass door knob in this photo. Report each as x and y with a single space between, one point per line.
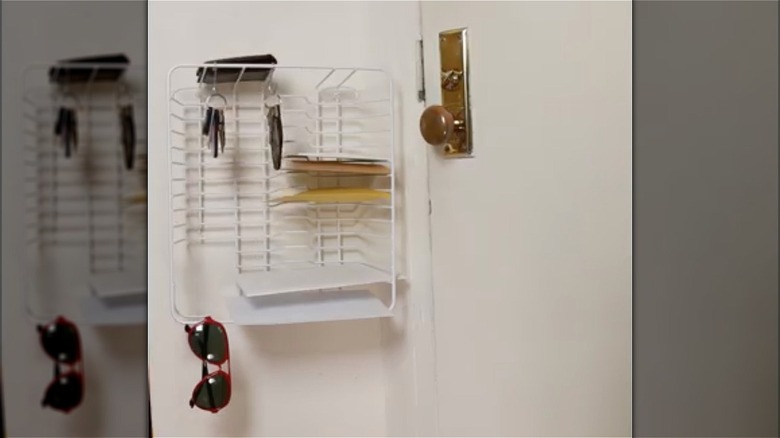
449 124
437 125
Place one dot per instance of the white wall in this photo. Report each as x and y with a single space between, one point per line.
115 402
341 378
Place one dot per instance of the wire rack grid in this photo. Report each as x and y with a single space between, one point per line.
231 228
82 201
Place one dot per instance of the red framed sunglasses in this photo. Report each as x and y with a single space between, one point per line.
61 342
208 340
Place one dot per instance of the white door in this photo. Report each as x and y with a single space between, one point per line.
531 237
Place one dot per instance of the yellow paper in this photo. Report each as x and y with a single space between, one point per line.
137 198
335 195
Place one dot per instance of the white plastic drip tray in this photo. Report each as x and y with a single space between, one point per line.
118 284
305 307
257 284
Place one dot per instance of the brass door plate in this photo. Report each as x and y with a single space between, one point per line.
453 55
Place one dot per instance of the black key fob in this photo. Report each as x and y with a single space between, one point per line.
59 125
74 131
207 121
213 135
275 136
128 136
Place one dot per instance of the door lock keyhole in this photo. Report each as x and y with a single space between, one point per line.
450 79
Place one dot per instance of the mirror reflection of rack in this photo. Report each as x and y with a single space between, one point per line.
85 206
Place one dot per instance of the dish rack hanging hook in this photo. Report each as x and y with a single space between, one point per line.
215 93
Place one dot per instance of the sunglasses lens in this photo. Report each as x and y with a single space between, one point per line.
209 342
64 393
61 341
213 392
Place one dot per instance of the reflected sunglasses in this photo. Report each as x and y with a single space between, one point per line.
60 340
208 340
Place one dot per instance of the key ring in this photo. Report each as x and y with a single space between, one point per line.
214 94
123 92
271 97
67 94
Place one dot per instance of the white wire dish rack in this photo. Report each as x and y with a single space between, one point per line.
237 236
83 213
